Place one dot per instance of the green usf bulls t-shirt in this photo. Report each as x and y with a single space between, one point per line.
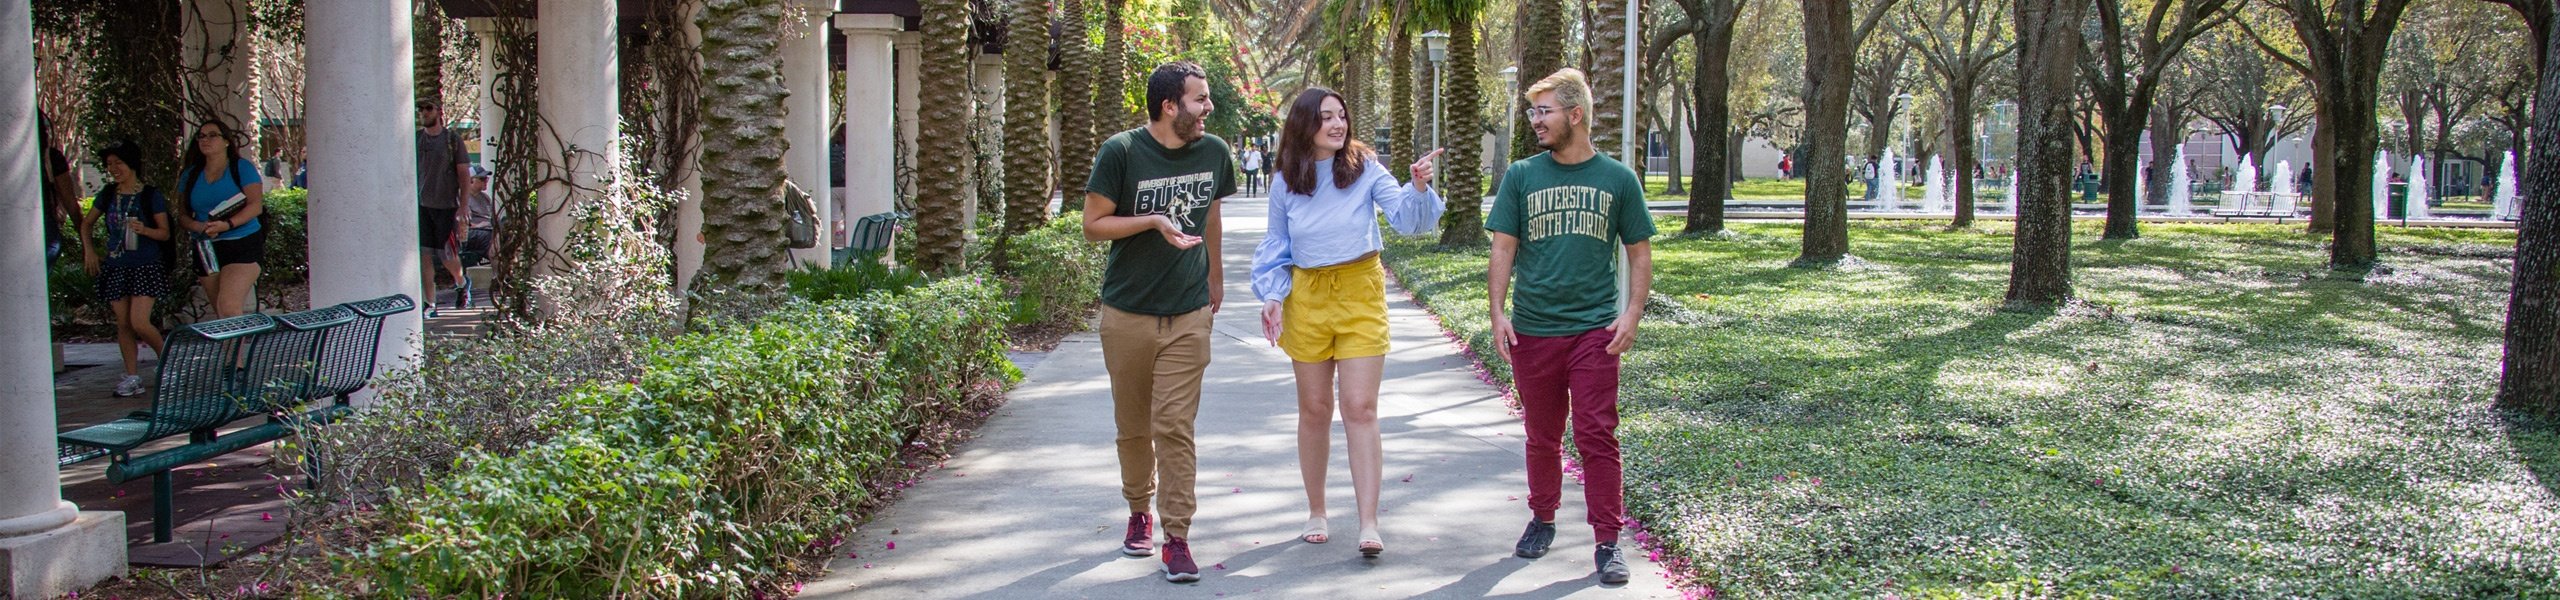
1145 274
1570 220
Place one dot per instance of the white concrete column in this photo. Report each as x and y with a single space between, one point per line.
48 547
910 104
580 95
493 118
218 63
364 168
804 73
689 245
870 141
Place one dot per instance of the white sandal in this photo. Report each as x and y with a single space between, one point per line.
1315 533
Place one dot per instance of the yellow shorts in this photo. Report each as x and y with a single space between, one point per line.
1335 312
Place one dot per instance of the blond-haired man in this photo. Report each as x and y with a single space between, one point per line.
1558 224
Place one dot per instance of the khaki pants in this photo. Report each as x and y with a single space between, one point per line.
1156 364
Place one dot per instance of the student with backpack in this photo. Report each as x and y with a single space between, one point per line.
225 199
130 277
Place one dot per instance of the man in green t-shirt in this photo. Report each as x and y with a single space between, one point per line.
1561 219
1154 195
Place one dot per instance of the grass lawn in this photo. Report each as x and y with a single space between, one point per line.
2220 418
1792 190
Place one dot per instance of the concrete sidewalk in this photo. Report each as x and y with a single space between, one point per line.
1032 507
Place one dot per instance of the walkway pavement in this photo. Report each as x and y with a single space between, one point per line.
1032 507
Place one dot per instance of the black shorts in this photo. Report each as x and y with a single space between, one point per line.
435 228
244 251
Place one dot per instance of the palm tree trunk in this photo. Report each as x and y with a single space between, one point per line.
426 45
742 146
1400 72
1540 28
1111 98
1356 68
1026 82
1076 127
945 187
1464 169
1608 35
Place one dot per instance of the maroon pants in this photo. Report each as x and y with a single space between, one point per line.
1573 376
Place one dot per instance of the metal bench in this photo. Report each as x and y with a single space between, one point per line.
867 237
222 371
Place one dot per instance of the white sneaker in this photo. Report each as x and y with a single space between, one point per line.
130 386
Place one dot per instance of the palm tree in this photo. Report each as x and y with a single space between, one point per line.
1462 179
1075 103
1111 100
1608 74
1400 74
426 48
742 145
1541 29
943 156
1026 137
1353 42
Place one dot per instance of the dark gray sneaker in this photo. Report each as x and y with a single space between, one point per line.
1612 563
1534 542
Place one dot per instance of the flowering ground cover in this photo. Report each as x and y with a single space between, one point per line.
2219 416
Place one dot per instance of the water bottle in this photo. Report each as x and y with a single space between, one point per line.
130 241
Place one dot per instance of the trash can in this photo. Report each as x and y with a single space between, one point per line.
2399 201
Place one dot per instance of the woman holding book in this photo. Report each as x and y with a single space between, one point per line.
224 201
1324 294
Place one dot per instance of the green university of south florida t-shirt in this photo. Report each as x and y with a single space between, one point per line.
1570 220
1146 275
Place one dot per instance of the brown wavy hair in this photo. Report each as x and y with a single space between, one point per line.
1297 166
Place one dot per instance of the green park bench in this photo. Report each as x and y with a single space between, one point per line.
217 372
867 236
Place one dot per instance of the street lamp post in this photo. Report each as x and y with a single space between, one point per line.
1436 45
1627 143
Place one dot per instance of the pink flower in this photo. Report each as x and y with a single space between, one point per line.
893 545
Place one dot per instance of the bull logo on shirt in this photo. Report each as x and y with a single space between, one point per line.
1179 197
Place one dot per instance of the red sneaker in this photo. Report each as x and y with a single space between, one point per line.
1142 535
1178 567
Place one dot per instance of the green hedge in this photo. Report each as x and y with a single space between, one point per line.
288 239
1050 275
736 453
1054 275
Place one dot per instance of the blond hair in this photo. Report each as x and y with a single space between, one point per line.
1572 89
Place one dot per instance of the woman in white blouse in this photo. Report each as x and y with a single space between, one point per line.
1324 294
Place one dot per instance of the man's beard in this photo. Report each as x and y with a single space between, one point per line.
1187 125
1563 137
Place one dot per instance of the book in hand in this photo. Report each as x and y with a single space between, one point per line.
221 212
204 252
228 207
